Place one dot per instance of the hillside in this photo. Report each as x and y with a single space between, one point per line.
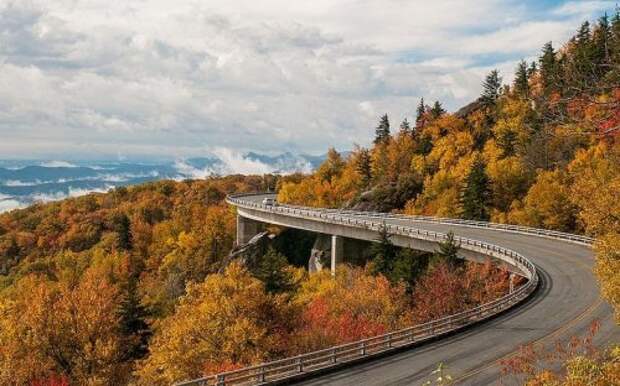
131 286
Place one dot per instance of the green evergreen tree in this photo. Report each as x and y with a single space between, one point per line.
532 69
133 326
408 266
405 128
521 83
364 166
549 71
424 144
491 89
448 251
581 68
437 110
615 36
382 132
122 227
476 193
601 40
383 253
420 114
507 141
272 270
601 47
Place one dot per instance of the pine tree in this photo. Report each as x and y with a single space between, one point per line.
408 266
405 128
420 113
581 70
615 36
272 270
383 253
532 69
122 226
364 166
491 89
476 193
437 110
521 83
133 326
448 250
507 141
549 71
382 132
601 41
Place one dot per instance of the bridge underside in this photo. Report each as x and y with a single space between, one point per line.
251 222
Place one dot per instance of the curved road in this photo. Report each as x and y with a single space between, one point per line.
566 304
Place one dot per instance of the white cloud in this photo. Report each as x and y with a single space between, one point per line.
58 164
98 78
72 192
7 205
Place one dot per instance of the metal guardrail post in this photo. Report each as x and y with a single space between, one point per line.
261 376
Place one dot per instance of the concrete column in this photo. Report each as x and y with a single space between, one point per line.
511 288
246 229
337 248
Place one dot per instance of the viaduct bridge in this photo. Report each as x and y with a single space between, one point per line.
560 300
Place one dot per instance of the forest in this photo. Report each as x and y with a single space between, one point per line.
133 286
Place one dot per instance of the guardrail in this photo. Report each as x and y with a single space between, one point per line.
584 240
292 367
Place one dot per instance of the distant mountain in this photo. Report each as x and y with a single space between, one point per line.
25 182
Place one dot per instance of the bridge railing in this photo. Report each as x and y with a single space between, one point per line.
580 239
292 367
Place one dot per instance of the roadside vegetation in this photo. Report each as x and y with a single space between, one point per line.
130 287
542 151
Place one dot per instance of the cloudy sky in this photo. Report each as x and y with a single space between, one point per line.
99 79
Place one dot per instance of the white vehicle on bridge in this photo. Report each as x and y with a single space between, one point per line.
270 201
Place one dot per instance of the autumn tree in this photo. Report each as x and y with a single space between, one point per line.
332 166
607 268
64 329
228 318
547 204
351 306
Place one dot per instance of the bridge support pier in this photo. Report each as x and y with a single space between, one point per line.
246 229
336 255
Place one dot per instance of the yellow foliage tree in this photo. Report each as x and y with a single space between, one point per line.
547 204
55 329
227 319
607 268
